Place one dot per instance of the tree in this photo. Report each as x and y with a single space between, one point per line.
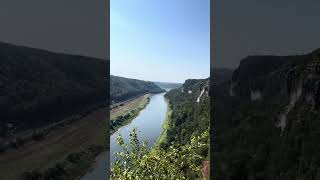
175 162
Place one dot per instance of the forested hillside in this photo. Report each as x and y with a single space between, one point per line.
266 119
39 87
190 111
122 89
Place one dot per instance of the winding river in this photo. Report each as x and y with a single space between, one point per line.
149 124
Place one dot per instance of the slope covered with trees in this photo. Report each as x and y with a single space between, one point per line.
39 87
122 89
190 111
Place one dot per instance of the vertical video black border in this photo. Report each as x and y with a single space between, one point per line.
211 132
108 167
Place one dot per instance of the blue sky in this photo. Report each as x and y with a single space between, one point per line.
163 40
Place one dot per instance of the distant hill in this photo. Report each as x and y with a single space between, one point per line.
167 85
38 87
122 89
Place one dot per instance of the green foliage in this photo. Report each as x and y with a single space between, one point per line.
188 117
175 162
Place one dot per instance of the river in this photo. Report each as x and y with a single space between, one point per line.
149 124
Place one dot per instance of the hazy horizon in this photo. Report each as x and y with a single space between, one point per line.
166 41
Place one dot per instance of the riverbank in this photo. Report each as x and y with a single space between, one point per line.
84 138
123 115
165 126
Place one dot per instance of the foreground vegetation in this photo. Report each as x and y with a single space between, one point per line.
176 162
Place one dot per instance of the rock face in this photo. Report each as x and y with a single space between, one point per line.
196 88
274 125
291 78
269 74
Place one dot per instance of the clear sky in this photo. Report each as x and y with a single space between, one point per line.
163 40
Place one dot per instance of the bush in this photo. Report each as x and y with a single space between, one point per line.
176 162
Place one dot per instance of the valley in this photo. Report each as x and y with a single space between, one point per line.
160 126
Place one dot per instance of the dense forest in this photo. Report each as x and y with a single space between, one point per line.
122 89
190 111
38 87
183 146
266 119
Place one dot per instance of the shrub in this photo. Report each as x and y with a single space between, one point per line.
176 162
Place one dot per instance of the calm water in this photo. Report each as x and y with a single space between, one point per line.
149 124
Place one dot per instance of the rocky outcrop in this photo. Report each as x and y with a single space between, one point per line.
290 78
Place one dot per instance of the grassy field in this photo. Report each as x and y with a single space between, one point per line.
127 107
71 138
136 104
